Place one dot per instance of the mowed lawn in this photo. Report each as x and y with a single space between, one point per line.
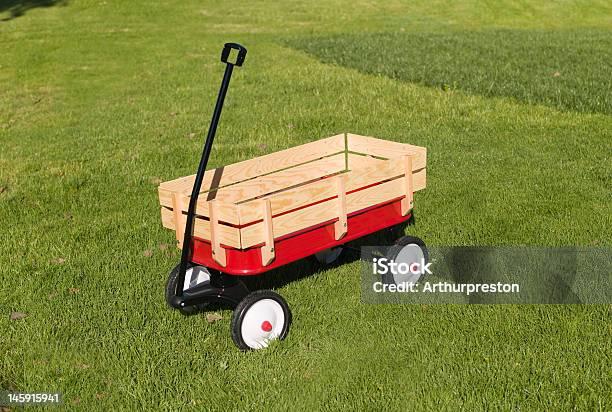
102 100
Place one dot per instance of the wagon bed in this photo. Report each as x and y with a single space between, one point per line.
261 213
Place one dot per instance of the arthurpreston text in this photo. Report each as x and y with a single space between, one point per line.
446 287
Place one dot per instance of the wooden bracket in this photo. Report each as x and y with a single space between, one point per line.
340 226
267 250
179 220
408 201
218 253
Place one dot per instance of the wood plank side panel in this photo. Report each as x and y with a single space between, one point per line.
407 202
281 180
387 149
260 186
364 171
326 211
229 236
228 212
258 166
218 253
356 161
378 171
267 251
341 227
177 206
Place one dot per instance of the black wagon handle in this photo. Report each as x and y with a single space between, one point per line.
195 192
227 49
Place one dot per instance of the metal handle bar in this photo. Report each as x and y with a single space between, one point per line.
187 247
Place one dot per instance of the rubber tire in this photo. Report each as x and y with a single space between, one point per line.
395 232
245 304
397 247
171 288
333 262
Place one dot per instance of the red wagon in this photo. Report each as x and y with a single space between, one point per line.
250 217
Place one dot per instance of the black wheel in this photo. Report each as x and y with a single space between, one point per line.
195 275
395 232
328 256
259 318
406 251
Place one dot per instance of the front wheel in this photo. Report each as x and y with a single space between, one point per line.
259 318
195 275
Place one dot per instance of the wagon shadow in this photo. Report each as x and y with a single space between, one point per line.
17 8
306 267
303 268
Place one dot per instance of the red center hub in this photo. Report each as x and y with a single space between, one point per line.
266 326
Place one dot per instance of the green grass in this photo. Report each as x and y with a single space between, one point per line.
565 69
98 101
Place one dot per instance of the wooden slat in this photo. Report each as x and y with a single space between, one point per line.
340 227
177 207
251 189
229 236
218 253
407 202
281 180
357 161
386 149
267 184
325 211
258 166
387 169
267 251
378 171
299 175
227 212
289 200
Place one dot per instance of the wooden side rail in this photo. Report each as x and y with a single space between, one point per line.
408 201
341 225
267 250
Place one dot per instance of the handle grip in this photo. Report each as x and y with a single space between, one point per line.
227 48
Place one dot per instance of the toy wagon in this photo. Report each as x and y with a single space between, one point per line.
250 217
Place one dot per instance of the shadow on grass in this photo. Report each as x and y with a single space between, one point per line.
17 8
565 69
303 268
309 266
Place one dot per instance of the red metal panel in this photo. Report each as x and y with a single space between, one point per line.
300 244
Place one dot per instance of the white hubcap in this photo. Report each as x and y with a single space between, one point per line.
194 276
262 323
409 254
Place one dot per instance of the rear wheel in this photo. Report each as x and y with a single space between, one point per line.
395 232
406 251
328 256
261 317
